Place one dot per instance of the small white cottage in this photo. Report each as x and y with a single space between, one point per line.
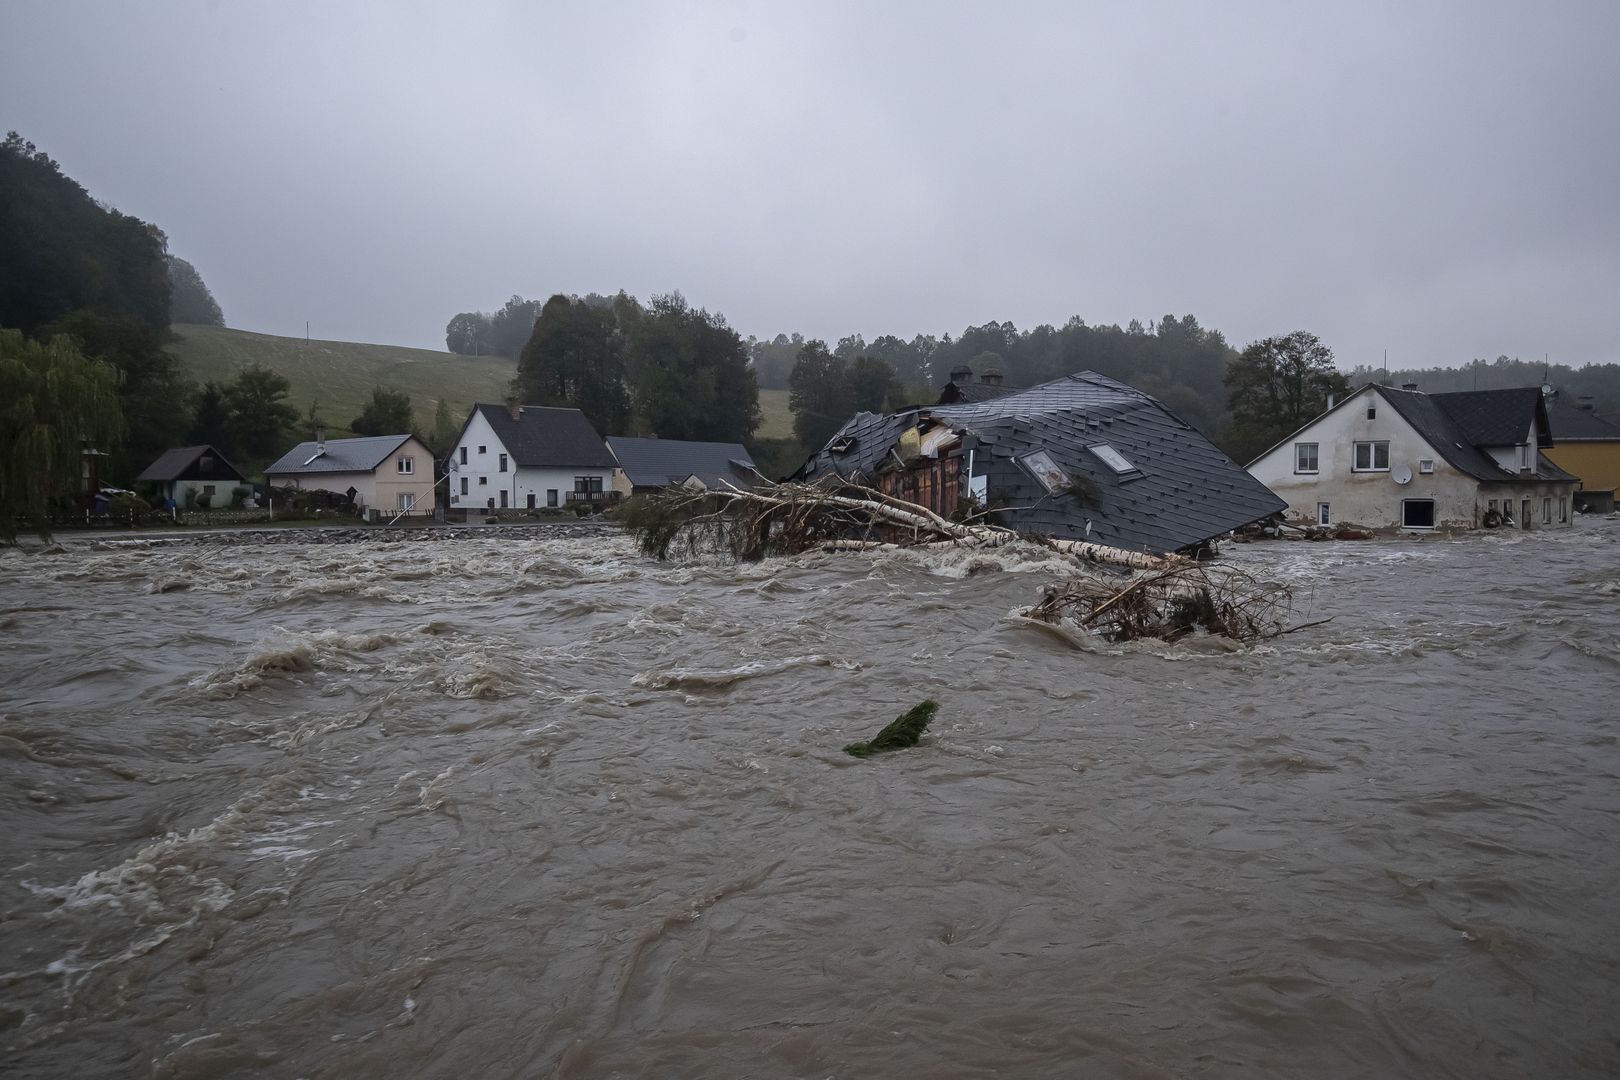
529 457
1387 458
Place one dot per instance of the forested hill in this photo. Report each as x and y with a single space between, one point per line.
338 376
1176 360
1600 381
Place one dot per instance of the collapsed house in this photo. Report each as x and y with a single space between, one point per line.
1079 458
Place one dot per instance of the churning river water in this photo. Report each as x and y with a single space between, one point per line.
529 808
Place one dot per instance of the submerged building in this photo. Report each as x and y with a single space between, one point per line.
1079 458
1388 458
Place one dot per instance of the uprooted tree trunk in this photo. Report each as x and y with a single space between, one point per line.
786 519
1167 597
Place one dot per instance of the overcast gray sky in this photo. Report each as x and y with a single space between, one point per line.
1441 180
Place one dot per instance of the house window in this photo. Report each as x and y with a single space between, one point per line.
1426 465
1305 457
503 498
588 485
1546 511
405 465
407 500
208 489
489 503
1524 513
551 496
531 500
503 463
464 485
1563 511
1372 412
483 449
464 455
1372 457
1524 457
1491 508
1112 458
1324 515
1417 513
483 481
1048 472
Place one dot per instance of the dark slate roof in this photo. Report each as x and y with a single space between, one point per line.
1442 419
971 393
173 462
548 438
1495 417
1440 431
1182 492
341 455
1577 424
659 462
1546 470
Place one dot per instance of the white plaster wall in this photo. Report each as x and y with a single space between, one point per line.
517 483
1370 499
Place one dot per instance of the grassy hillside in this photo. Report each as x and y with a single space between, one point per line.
778 419
340 374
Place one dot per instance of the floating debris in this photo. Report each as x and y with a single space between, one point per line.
903 731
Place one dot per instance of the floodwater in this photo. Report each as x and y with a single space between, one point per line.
545 808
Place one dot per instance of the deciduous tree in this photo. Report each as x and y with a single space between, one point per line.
1275 386
260 414
387 413
54 403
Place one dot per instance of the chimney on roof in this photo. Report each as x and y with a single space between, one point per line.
991 377
514 408
1412 386
320 439
960 375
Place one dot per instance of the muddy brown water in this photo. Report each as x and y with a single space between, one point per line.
545 808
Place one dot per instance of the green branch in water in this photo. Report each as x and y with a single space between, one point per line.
903 731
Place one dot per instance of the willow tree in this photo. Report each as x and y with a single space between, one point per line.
54 404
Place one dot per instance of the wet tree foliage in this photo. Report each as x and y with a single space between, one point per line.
903 731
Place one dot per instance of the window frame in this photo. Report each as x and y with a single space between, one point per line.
1324 513
1405 524
1316 458
1426 466
463 455
464 484
1372 456
405 465
502 467
407 501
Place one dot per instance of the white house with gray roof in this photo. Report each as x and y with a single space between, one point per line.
389 473
1388 458
529 457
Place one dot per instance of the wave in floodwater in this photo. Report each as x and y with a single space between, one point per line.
508 807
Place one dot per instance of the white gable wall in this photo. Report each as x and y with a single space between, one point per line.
485 481
1370 499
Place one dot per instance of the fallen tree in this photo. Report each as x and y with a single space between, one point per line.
1167 597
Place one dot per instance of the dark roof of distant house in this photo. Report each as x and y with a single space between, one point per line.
661 462
1449 422
548 438
971 393
1575 423
1496 417
171 463
338 455
1179 492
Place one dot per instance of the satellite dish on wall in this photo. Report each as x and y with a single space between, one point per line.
1401 474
